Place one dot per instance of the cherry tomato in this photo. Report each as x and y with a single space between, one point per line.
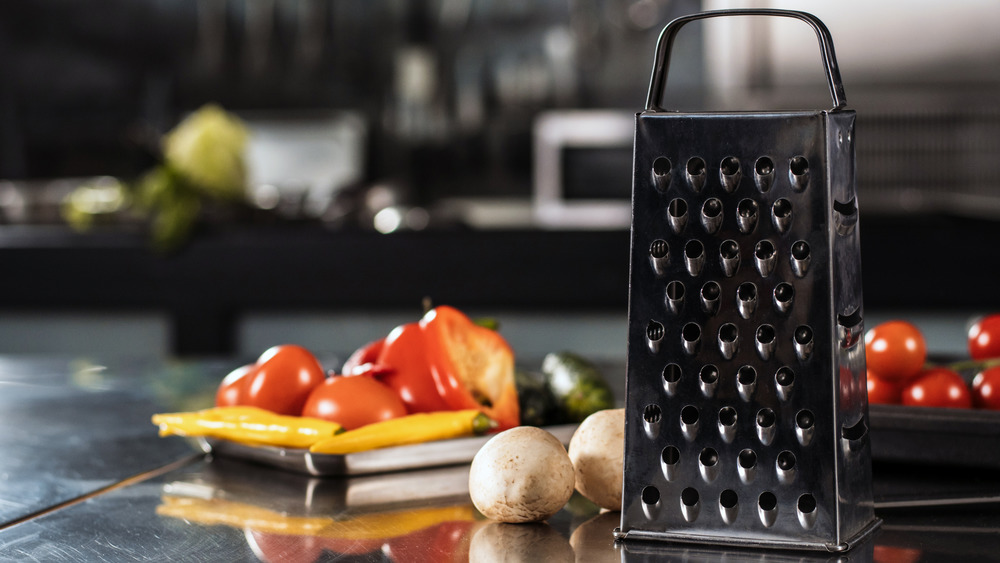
367 354
984 338
895 350
986 389
282 380
883 391
228 394
937 387
405 353
353 401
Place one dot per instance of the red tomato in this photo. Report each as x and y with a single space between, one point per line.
353 401
984 338
986 389
282 380
895 350
367 354
937 387
228 394
893 554
444 542
405 353
299 548
883 391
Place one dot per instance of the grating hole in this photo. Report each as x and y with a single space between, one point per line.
803 334
689 414
662 166
800 250
694 249
764 250
786 460
728 333
708 457
851 319
675 290
672 373
671 455
764 166
728 498
845 208
689 496
782 208
659 248
652 414
784 376
729 249
677 208
650 495
807 503
747 208
765 418
765 334
727 416
709 374
799 165
746 375
710 291
767 501
712 208
746 292
696 166
854 432
691 332
654 331
784 292
730 165
805 419
747 459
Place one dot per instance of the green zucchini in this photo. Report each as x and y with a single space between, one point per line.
538 406
577 384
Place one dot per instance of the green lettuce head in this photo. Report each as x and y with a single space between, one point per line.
207 149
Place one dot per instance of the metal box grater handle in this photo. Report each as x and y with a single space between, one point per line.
661 64
746 405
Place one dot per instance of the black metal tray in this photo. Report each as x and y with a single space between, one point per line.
935 436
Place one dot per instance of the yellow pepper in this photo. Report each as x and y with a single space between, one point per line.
363 527
411 429
248 425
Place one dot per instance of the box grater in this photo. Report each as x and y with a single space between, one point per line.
746 399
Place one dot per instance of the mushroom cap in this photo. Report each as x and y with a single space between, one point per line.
521 475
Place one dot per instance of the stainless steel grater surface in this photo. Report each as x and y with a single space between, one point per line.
746 401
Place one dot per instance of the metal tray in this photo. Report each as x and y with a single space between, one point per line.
935 436
400 458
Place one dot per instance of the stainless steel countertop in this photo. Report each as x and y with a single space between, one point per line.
85 478
70 428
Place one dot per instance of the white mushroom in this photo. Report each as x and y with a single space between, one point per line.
521 475
597 452
516 543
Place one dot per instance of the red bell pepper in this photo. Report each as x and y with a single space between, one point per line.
472 366
404 357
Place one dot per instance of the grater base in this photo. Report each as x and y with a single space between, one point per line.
706 539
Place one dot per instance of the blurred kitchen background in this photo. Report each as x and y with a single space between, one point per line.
474 151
